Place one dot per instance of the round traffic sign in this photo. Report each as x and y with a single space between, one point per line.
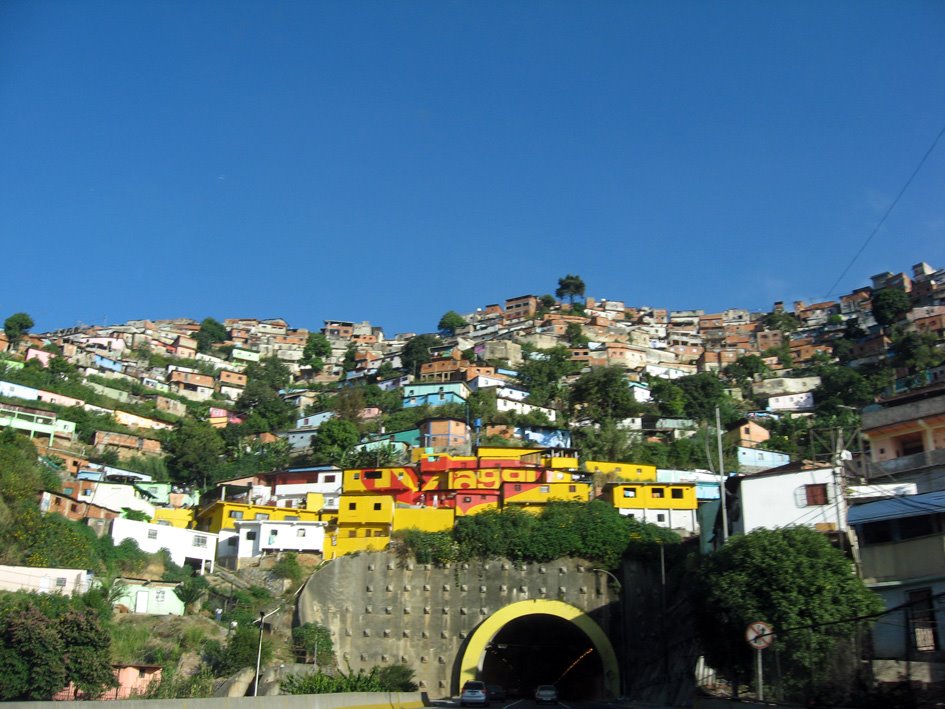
759 635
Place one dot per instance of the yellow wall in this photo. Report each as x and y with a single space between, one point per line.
220 514
314 501
365 509
623 471
646 497
354 479
182 518
426 519
365 538
560 462
542 493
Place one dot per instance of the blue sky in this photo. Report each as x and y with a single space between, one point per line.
393 160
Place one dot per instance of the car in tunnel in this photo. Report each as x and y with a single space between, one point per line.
546 694
474 694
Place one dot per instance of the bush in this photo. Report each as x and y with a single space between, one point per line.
288 568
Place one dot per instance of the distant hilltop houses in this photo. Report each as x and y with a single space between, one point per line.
223 442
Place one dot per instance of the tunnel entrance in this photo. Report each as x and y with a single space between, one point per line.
544 649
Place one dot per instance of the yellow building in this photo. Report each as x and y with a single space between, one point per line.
224 514
668 505
622 471
534 496
364 524
182 518
426 519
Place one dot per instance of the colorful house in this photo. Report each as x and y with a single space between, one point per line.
672 506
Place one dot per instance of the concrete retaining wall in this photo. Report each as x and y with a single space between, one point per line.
352 700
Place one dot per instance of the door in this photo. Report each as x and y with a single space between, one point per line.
141 602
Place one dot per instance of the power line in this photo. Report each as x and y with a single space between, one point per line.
888 211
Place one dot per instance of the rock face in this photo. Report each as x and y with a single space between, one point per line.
383 610
238 684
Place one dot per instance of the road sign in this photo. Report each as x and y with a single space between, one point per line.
759 635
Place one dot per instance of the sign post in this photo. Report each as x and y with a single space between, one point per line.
759 635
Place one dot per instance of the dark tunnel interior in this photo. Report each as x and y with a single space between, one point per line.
544 649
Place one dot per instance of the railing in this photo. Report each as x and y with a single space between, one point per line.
906 463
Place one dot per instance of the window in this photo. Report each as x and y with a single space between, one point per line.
232 541
152 534
372 474
518 488
545 488
261 515
816 494
251 536
658 492
660 518
329 478
300 532
200 541
357 476
159 596
236 514
291 518
922 619
572 488
676 493
74 508
467 499
87 492
60 582
68 490
352 505
629 492
377 506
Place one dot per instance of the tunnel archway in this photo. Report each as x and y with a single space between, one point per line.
542 642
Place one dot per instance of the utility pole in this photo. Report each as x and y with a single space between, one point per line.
718 434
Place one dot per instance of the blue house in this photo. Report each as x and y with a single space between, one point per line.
435 394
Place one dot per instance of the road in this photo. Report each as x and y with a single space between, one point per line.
531 704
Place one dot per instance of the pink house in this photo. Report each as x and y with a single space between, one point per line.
133 680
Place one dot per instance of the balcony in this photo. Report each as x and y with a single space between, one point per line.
911 559
903 413
906 464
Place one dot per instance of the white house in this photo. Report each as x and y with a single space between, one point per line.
119 496
792 402
257 537
44 579
148 597
798 496
519 407
186 546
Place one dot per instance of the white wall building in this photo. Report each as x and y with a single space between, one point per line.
776 499
252 539
186 546
43 579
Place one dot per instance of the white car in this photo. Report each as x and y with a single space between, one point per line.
546 694
474 694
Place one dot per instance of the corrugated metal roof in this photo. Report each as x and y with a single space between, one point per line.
898 507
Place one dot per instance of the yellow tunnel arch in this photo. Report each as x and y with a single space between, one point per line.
472 658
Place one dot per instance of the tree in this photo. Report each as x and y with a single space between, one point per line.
195 451
417 352
575 336
87 652
541 373
603 394
266 379
840 387
191 590
334 440
889 305
313 641
570 287
16 326
450 322
780 320
791 578
210 333
703 392
317 349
